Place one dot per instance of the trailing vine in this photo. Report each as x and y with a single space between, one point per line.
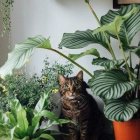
5 8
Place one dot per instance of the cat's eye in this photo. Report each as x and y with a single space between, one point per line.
66 87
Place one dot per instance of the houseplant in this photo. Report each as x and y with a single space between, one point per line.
24 123
117 83
27 89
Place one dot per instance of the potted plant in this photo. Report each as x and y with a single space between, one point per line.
117 83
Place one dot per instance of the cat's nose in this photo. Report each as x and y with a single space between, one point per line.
73 93
70 93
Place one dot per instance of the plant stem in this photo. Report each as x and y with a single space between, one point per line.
85 70
93 12
137 88
97 19
130 57
121 48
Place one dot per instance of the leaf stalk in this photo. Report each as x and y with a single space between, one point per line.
98 21
72 61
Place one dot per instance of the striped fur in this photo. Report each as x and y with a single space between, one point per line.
80 107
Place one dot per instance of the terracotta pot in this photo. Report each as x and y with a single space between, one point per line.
129 130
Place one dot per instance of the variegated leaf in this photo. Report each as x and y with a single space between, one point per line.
22 52
112 84
107 63
129 28
92 52
120 109
81 39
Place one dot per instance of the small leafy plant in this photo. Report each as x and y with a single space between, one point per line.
24 123
28 89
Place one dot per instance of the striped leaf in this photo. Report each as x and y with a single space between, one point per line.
120 109
107 63
92 52
114 27
81 39
22 52
129 27
112 84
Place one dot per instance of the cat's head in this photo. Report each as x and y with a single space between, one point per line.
73 86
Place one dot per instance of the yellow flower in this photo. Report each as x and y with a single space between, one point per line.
4 89
55 90
44 79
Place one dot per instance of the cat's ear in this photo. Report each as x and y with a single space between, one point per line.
80 75
61 79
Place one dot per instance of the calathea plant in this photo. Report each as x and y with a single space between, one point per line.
116 83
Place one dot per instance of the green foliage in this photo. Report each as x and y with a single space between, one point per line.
24 123
112 84
28 90
118 78
81 39
130 23
121 109
50 73
92 51
107 63
22 52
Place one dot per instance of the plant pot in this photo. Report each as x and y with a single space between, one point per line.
129 130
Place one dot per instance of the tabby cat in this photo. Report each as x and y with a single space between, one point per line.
80 107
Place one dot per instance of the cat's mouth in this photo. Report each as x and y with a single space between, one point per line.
71 97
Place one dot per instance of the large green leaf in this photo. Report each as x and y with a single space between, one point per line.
47 136
114 27
38 111
40 104
21 118
22 52
81 39
22 122
92 52
48 114
112 84
121 110
12 119
107 63
129 27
